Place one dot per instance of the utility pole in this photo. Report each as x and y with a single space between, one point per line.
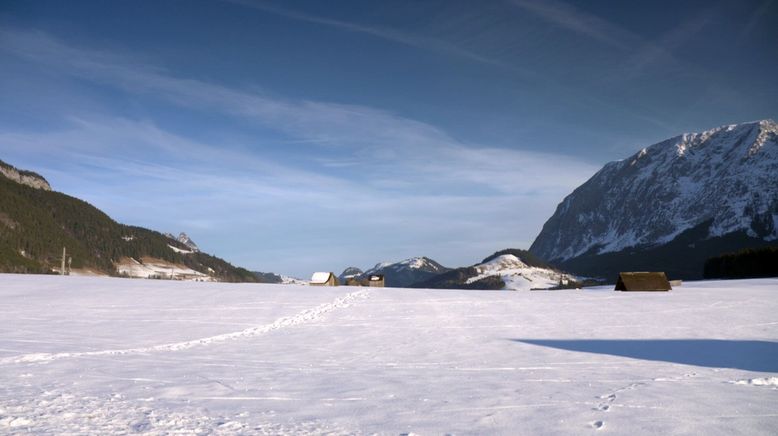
62 268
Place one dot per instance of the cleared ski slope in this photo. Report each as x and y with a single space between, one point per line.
84 355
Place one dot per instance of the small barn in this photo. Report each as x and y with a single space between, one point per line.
376 281
643 282
353 281
324 279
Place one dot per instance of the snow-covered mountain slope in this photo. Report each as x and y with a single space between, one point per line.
406 272
717 183
421 263
503 270
149 267
104 356
517 275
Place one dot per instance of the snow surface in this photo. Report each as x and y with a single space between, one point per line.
81 355
178 250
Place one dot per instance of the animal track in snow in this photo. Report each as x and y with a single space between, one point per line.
597 425
611 397
605 405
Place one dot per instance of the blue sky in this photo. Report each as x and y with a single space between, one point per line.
298 136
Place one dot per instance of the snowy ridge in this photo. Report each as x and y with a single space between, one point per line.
186 240
417 263
303 317
517 275
414 263
725 176
406 272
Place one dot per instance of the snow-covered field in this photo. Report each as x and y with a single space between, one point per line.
100 355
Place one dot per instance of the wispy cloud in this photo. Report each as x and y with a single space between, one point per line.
390 34
661 51
757 15
497 42
579 21
643 51
374 136
358 170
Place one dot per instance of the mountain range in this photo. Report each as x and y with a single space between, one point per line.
509 269
398 274
670 206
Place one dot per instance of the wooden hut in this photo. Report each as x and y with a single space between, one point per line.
376 281
642 281
353 281
324 279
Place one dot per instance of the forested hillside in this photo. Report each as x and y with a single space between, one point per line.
35 224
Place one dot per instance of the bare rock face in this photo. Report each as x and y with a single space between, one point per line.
186 240
701 186
28 178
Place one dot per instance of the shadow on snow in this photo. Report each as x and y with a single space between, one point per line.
714 353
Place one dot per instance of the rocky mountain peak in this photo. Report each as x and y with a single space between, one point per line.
186 240
29 178
722 179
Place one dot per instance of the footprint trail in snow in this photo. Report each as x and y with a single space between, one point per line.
304 317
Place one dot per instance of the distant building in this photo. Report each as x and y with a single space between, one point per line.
376 281
324 279
353 281
642 281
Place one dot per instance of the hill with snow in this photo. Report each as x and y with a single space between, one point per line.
403 273
671 205
510 269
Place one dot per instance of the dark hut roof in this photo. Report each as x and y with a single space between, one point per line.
643 281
